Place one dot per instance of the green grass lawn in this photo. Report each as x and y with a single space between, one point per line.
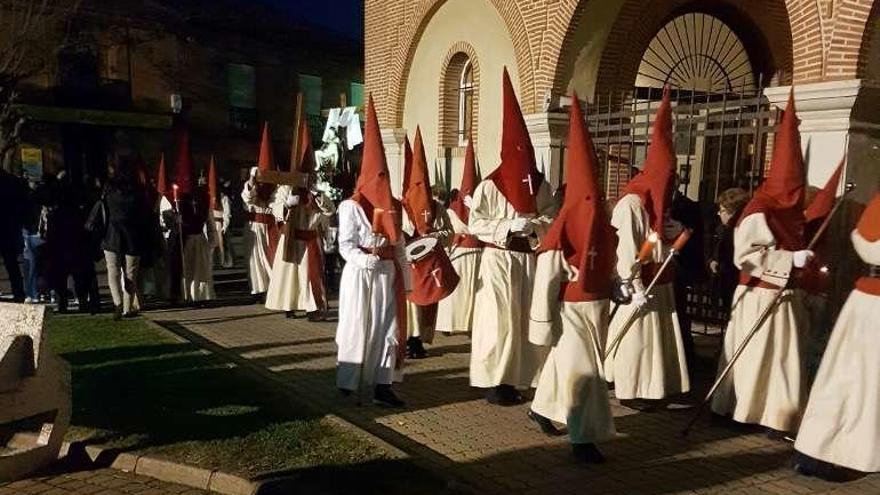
139 389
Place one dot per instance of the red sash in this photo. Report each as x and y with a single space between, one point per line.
387 253
315 262
266 218
467 241
868 285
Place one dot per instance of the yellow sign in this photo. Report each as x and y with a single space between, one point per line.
32 162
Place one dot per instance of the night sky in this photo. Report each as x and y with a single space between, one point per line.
345 17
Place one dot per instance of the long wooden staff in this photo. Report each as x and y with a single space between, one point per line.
676 248
764 316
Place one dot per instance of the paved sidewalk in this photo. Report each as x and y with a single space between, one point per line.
449 427
98 482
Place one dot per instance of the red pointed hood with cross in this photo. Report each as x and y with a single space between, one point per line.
781 196
213 185
407 163
183 167
655 182
469 182
517 177
373 188
265 163
417 198
582 230
162 179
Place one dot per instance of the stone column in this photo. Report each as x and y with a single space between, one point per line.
392 140
829 127
548 131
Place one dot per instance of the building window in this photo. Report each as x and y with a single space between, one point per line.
241 79
459 97
465 103
355 94
310 87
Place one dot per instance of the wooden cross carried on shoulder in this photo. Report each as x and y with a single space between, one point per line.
294 177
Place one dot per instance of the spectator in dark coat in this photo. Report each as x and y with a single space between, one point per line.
14 200
67 245
730 205
690 265
127 237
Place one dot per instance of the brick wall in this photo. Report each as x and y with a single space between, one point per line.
808 42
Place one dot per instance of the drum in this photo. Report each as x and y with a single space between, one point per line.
433 276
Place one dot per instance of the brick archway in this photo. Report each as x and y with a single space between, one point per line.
416 19
762 25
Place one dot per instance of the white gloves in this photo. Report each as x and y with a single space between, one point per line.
292 200
671 229
371 261
800 258
639 299
519 225
254 171
468 201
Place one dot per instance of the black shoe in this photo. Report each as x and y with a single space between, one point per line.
117 313
316 316
384 396
805 465
587 452
546 425
345 392
290 314
415 349
503 395
777 435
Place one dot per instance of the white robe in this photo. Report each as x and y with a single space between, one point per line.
367 310
500 350
256 239
572 388
197 271
289 286
222 217
841 423
421 320
767 384
649 362
455 313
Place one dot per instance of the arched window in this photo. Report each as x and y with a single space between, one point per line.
465 103
459 95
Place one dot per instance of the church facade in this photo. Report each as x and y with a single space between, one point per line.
437 64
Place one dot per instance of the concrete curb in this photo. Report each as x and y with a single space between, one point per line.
160 469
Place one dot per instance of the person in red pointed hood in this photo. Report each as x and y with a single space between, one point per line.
263 232
572 287
296 282
372 302
839 427
192 232
649 364
162 187
417 201
768 385
510 212
407 162
455 313
221 212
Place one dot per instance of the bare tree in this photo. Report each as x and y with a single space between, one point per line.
32 32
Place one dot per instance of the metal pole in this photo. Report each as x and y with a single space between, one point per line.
690 135
757 137
720 146
742 90
703 161
648 122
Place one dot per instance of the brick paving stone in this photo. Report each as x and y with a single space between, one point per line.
97 482
497 450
